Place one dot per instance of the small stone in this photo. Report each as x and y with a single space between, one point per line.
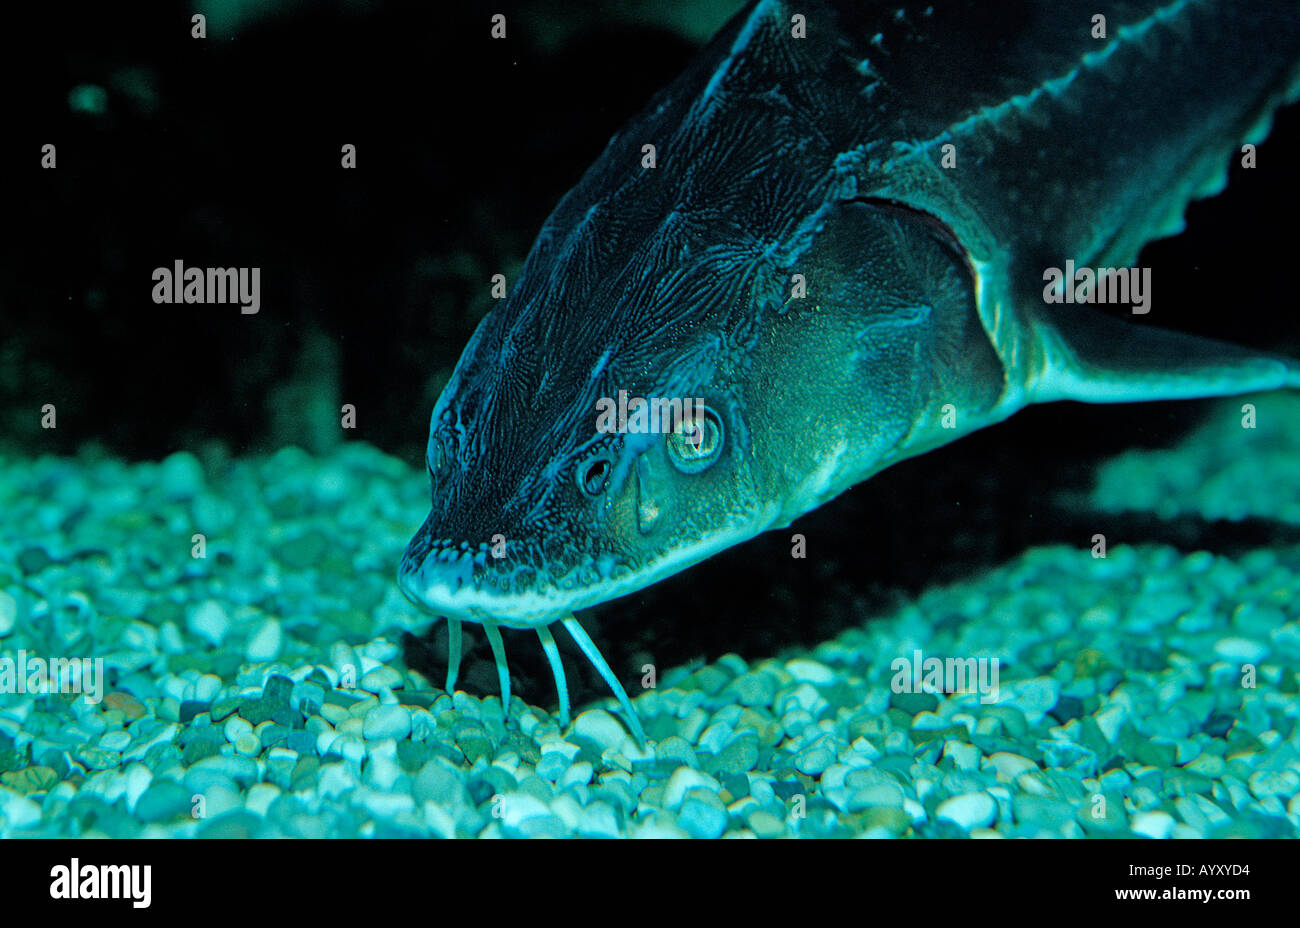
387 722
1109 719
1036 697
180 476
599 726
885 793
224 708
274 704
740 755
1281 783
683 779
964 756
1009 766
190 710
1241 650
756 688
1257 620
162 801
579 774
301 741
235 727
248 744
914 703
99 759
597 821
19 812
810 671
1156 754
552 765
127 704
265 642
969 810
1155 824
703 815
207 687
238 824
675 751
30 780
882 821
209 621
815 760
766 825
116 740
1067 707
379 679
33 560
472 739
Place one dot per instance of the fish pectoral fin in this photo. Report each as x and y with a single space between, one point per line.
1093 358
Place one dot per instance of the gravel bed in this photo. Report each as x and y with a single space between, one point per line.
234 703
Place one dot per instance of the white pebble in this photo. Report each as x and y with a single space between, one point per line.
20 812
236 727
209 621
1241 649
969 810
264 644
116 740
380 679
386 722
519 807
1109 719
600 727
207 687
1009 766
260 796
1034 697
170 639
1155 824
578 773
138 778
682 780
809 671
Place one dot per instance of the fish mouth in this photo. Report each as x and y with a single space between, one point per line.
447 589
460 583
455 582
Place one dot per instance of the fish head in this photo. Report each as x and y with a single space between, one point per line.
575 457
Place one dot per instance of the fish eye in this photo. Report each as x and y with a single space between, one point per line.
592 476
696 443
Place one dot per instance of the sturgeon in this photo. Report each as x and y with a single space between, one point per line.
833 228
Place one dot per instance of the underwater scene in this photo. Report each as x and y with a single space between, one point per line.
700 419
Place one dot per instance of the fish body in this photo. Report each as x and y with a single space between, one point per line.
834 228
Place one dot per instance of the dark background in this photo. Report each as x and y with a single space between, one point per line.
225 152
